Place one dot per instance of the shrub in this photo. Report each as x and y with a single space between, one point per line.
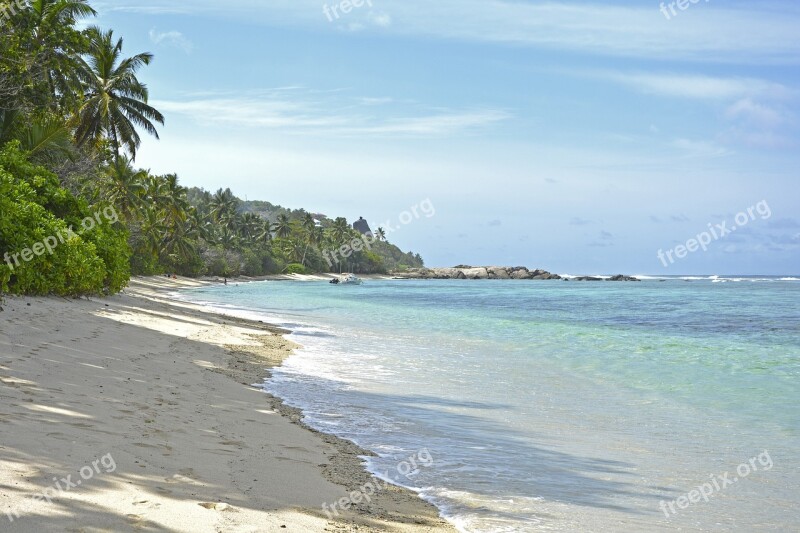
33 208
295 268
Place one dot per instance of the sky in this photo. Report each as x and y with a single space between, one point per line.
578 137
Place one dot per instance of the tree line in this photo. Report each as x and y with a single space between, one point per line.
72 112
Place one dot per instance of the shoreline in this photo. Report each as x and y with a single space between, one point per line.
113 401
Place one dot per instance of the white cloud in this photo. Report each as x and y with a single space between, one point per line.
756 111
751 111
700 148
294 111
174 38
716 33
694 86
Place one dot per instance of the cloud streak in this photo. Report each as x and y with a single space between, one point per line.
718 33
293 113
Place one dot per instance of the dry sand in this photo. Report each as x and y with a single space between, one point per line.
161 393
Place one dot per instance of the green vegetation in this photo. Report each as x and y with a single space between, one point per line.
33 209
71 113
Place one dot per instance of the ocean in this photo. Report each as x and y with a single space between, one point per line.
668 404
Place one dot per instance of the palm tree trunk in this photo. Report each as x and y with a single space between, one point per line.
115 142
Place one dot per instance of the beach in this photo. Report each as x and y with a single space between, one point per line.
137 412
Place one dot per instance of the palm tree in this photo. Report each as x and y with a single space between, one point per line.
115 101
155 192
265 231
53 24
46 139
125 187
340 231
224 206
250 224
199 224
176 206
309 226
283 227
180 243
228 239
339 234
381 234
153 232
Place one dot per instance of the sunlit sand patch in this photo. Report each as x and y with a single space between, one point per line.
152 312
186 327
16 381
56 411
92 366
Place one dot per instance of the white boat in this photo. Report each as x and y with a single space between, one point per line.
347 279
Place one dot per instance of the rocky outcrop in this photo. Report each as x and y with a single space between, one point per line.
468 272
496 272
618 277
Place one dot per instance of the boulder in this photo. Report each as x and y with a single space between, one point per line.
544 275
587 278
448 273
521 273
498 273
475 273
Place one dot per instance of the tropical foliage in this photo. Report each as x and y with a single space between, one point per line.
72 113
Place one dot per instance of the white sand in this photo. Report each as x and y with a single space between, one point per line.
196 447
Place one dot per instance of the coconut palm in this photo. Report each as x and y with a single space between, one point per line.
283 227
115 100
224 206
265 231
125 187
380 233
339 231
175 204
310 235
249 227
52 37
181 242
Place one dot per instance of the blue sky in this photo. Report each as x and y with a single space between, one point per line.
580 137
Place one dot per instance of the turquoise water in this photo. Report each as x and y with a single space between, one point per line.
555 406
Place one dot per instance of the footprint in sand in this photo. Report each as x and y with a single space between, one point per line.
148 504
216 506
